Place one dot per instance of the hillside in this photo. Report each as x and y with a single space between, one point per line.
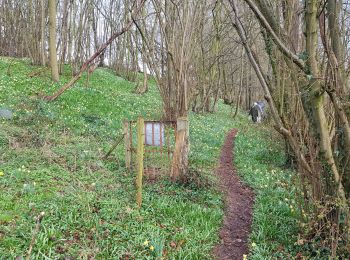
50 161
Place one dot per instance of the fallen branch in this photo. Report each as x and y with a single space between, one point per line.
121 137
96 55
36 231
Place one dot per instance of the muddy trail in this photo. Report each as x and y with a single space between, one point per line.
239 200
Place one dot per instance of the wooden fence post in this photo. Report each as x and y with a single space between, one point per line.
140 151
127 146
179 165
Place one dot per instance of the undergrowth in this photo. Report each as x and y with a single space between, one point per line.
50 160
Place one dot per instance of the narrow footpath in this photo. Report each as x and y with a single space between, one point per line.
239 200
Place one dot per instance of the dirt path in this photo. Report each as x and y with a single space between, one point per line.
239 200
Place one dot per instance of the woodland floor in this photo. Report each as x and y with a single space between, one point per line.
239 200
50 161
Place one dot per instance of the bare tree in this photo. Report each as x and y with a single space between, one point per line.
316 87
52 40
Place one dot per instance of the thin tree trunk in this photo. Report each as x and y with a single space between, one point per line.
64 36
240 85
52 41
42 38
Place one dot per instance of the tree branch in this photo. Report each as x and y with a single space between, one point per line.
281 46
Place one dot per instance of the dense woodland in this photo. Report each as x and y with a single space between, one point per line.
294 54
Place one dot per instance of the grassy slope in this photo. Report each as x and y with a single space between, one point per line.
50 152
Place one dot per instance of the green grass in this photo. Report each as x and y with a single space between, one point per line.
50 158
260 164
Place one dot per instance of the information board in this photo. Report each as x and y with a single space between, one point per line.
154 134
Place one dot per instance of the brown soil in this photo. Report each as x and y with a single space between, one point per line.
239 200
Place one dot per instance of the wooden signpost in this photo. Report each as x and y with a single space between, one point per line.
139 164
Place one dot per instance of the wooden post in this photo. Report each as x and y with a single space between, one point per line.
179 165
127 145
140 151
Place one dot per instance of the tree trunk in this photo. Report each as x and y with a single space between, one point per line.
64 36
52 41
179 166
42 38
316 95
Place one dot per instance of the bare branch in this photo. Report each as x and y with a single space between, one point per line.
282 47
